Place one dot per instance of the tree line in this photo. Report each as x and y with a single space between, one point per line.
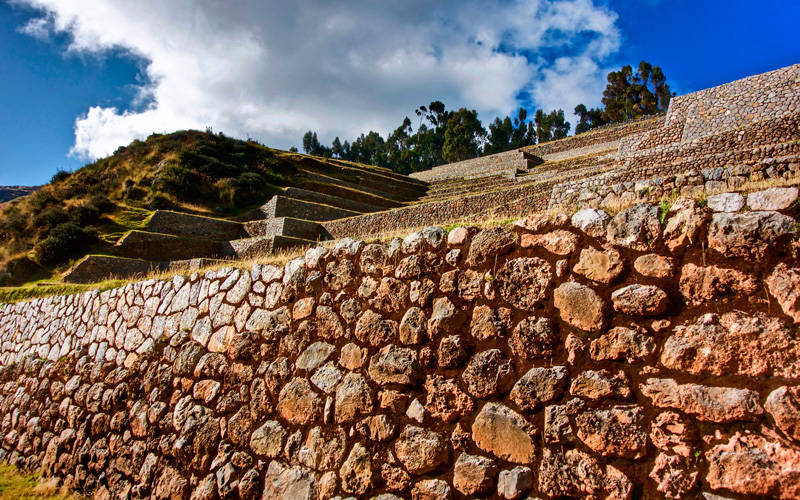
445 136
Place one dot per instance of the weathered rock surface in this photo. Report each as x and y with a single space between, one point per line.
500 430
637 228
580 306
601 266
749 234
640 300
474 474
752 464
711 404
421 451
488 373
784 285
539 386
524 282
733 343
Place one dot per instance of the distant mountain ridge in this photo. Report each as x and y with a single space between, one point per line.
8 193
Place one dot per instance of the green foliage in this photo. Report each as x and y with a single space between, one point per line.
65 241
505 135
628 95
463 136
60 175
551 126
182 182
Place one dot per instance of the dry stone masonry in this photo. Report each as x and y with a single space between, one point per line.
647 354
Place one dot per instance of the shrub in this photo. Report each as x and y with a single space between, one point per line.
65 241
60 175
86 214
102 203
181 182
49 217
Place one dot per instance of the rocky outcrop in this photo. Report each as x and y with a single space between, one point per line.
590 357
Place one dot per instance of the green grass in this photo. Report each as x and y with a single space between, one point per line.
21 486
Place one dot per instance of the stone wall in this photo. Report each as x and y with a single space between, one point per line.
505 163
644 355
600 135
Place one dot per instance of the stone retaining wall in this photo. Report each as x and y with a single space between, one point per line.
588 357
600 135
505 163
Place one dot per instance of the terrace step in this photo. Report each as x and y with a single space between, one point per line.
96 268
376 176
259 246
284 206
160 247
320 193
286 226
383 188
193 226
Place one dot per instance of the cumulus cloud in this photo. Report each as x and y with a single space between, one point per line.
271 70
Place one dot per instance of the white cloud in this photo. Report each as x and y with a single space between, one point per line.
272 69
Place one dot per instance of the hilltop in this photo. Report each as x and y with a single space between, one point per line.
8 193
89 210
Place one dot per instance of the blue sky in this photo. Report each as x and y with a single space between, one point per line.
77 83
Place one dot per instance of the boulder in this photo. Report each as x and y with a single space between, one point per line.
289 483
559 242
637 228
776 198
511 484
699 285
674 476
487 373
445 400
574 473
613 432
601 266
474 474
749 234
726 202
601 384
755 465
709 404
431 489
421 450
489 244
373 329
580 306
539 386
591 221
413 329
503 432
685 224
733 344
394 365
533 338
353 398
784 285
654 266
298 404
524 282
268 439
356 472
445 318
640 300
783 404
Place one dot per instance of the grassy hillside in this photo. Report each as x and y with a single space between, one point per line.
90 209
